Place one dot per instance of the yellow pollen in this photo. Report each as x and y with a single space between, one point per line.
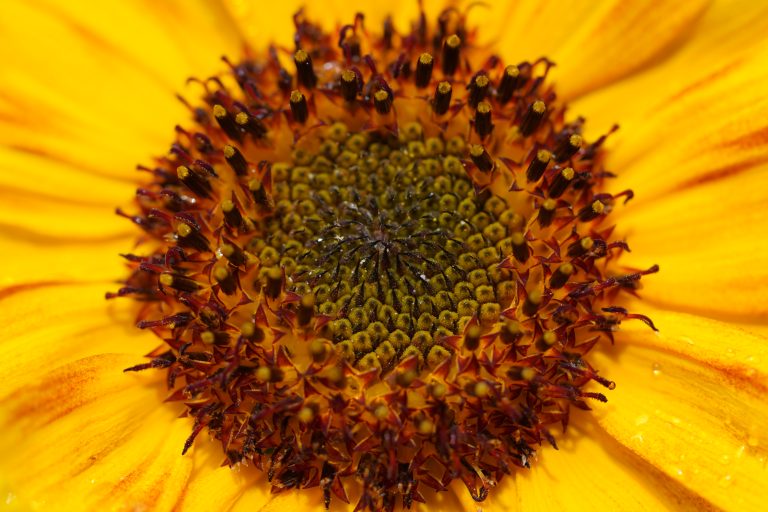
166 279
301 56
296 96
229 151
306 415
182 172
453 41
219 111
567 173
539 107
543 156
598 207
484 107
425 58
183 230
575 140
241 118
444 87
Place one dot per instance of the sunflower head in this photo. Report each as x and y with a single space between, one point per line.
380 258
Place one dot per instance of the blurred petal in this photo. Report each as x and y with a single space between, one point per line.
216 487
85 108
585 474
709 242
696 117
279 27
46 325
596 43
690 401
86 436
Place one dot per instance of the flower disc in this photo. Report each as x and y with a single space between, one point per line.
379 260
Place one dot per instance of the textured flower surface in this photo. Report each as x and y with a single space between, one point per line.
419 329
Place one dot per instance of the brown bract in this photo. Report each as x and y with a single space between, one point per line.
381 258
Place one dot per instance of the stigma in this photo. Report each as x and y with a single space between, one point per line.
380 259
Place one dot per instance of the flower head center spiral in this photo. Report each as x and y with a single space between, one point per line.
380 261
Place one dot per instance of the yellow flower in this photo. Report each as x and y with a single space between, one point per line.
86 91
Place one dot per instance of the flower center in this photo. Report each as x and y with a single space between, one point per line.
386 265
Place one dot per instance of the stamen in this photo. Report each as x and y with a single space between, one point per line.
451 48
305 73
299 108
424 70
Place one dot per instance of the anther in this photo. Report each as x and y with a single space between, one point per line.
561 182
520 249
299 108
194 181
483 123
267 374
225 279
348 84
510 82
548 338
568 148
591 211
236 160
177 282
252 332
251 124
442 99
481 158
424 70
532 118
318 350
305 415
382 101
233 253
547 212
560 276
472 337
187 236
532 303
305 74
305 310
580 247
232 215
510 332
258 192
538 165
478 89
227 123
451 48
274 284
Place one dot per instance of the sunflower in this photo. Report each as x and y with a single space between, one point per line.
88 91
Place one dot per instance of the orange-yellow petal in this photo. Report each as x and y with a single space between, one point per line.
695 117
709 242
215 487
46 325
595 43
92 84
85 436
690 401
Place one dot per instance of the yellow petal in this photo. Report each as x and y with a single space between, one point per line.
86 436
312 499
93 84
709 242
215 487
696 117
595 43
273 23
47 260
690 401
589 471
47 325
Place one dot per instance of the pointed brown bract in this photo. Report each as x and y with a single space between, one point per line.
383 264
